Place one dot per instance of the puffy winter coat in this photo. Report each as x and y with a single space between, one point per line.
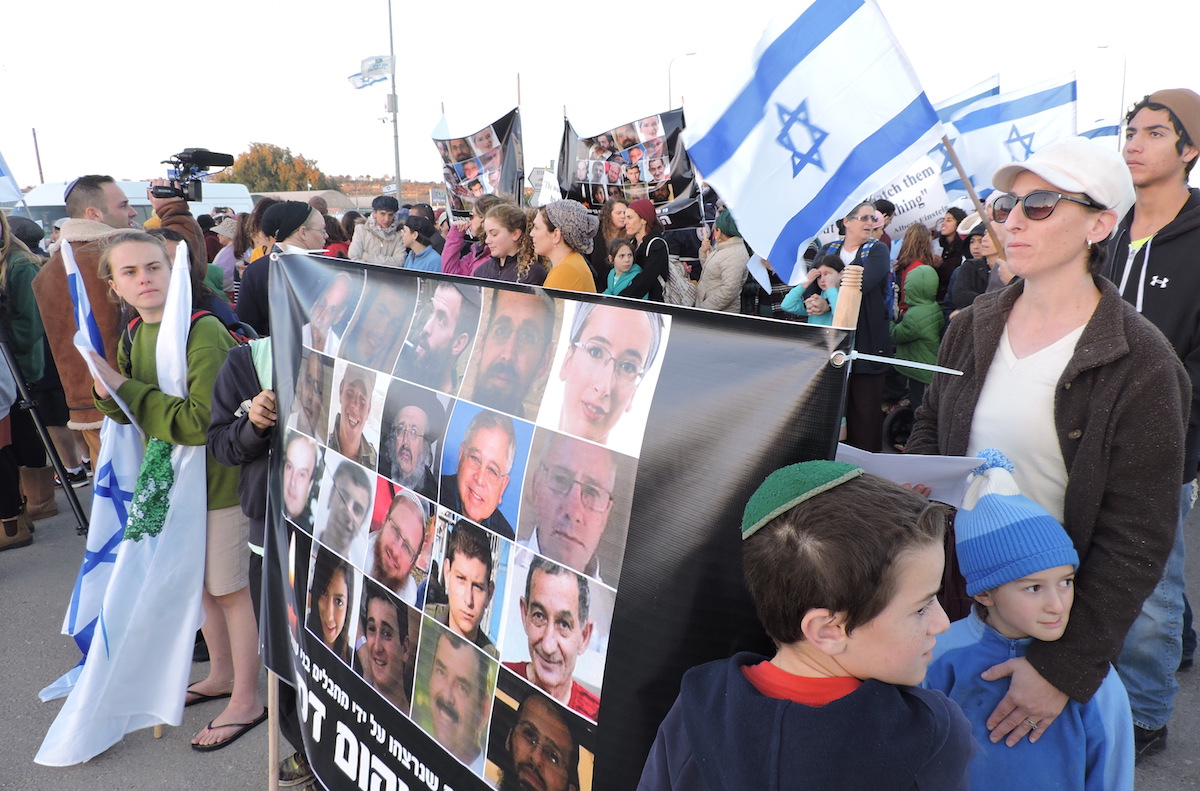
919 334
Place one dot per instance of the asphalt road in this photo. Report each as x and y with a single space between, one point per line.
35 587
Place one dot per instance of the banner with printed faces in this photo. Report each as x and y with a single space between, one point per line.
641 159
488 161
504 520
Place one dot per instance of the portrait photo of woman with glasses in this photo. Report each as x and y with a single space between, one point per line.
604 373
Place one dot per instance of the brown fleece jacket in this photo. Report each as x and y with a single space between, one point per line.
1120 411
58 314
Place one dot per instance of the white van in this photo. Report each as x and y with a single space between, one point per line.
46 205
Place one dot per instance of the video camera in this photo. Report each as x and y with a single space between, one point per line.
188 164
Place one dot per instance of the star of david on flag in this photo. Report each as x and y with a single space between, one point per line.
951 180
788 145
1012 126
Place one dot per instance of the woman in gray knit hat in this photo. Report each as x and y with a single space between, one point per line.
562 232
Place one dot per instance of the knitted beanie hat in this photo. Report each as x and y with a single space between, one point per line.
1000 534
645 210
791 486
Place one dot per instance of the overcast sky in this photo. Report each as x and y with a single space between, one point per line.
114 88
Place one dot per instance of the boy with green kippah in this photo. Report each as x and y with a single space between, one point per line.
843 568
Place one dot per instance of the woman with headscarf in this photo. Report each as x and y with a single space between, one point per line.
641 224
297 228
378 239
864 393
724 269
563 232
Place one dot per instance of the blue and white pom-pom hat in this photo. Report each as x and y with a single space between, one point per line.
1000 534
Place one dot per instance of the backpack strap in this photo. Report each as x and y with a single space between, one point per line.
130 329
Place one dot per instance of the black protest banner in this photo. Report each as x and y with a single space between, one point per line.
504 519
488 161
641 159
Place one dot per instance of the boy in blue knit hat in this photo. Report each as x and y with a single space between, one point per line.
843 568
1020 565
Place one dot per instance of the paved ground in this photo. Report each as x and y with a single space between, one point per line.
35 586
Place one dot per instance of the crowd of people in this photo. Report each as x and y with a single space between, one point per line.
1064 302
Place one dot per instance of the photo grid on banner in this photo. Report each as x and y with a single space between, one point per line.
486 162
453 496
643 159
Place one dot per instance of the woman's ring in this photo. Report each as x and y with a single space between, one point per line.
1032 725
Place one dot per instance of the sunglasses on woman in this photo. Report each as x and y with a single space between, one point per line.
1038 205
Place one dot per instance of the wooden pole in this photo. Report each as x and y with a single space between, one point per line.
962 174
849 300
272 731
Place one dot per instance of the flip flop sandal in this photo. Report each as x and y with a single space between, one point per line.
202 698
242 729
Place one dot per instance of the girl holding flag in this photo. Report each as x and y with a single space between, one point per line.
138 273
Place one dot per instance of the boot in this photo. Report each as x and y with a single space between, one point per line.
37 485
15 533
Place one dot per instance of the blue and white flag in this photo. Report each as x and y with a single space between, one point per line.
9 189
1105 132
948 107
362 80
151 606
951 180
1012 126
116 472
826 112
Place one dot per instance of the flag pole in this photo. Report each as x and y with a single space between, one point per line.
962 174
394 102
273 730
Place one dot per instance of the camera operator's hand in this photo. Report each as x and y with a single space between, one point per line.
107 380
157 203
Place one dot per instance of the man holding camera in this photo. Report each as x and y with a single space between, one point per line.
97 208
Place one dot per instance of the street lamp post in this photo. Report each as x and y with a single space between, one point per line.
393 103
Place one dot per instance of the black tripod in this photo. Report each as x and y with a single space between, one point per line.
26 402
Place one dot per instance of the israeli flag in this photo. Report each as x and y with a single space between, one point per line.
1105 132
9 189
151 606
360 80
948 107
1010 127
827 111
116 472
951 180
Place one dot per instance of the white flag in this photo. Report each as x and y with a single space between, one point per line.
378 66
827 111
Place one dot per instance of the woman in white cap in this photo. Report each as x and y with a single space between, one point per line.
1088 400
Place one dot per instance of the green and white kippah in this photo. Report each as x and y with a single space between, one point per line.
791 486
